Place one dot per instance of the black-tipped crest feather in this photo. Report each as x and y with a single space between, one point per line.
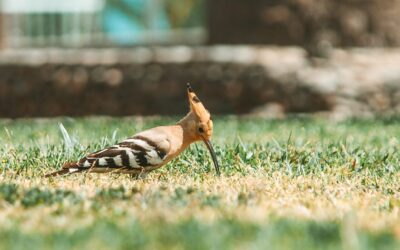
189 88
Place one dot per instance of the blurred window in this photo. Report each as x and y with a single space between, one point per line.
100 23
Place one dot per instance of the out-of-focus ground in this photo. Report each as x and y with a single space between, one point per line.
264 81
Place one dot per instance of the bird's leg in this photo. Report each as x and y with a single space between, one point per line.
92 166
133 176
142 175
138 176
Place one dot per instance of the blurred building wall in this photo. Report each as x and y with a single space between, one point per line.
313 24
146 81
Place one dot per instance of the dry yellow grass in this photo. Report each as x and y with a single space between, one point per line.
251 198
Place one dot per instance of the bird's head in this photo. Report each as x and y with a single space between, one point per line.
200 124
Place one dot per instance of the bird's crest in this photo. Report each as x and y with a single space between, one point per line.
196 106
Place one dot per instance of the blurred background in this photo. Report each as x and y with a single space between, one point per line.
265 58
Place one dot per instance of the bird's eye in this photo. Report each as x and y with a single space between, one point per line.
201 130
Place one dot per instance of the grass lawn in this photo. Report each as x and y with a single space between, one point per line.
286 184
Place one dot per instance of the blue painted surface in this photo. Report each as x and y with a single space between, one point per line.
123 29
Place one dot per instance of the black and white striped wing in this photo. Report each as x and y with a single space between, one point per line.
131 154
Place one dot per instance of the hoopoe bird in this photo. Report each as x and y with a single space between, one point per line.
150 149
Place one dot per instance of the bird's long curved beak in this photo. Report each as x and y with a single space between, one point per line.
214 157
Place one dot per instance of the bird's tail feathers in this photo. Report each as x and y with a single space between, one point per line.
67 168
